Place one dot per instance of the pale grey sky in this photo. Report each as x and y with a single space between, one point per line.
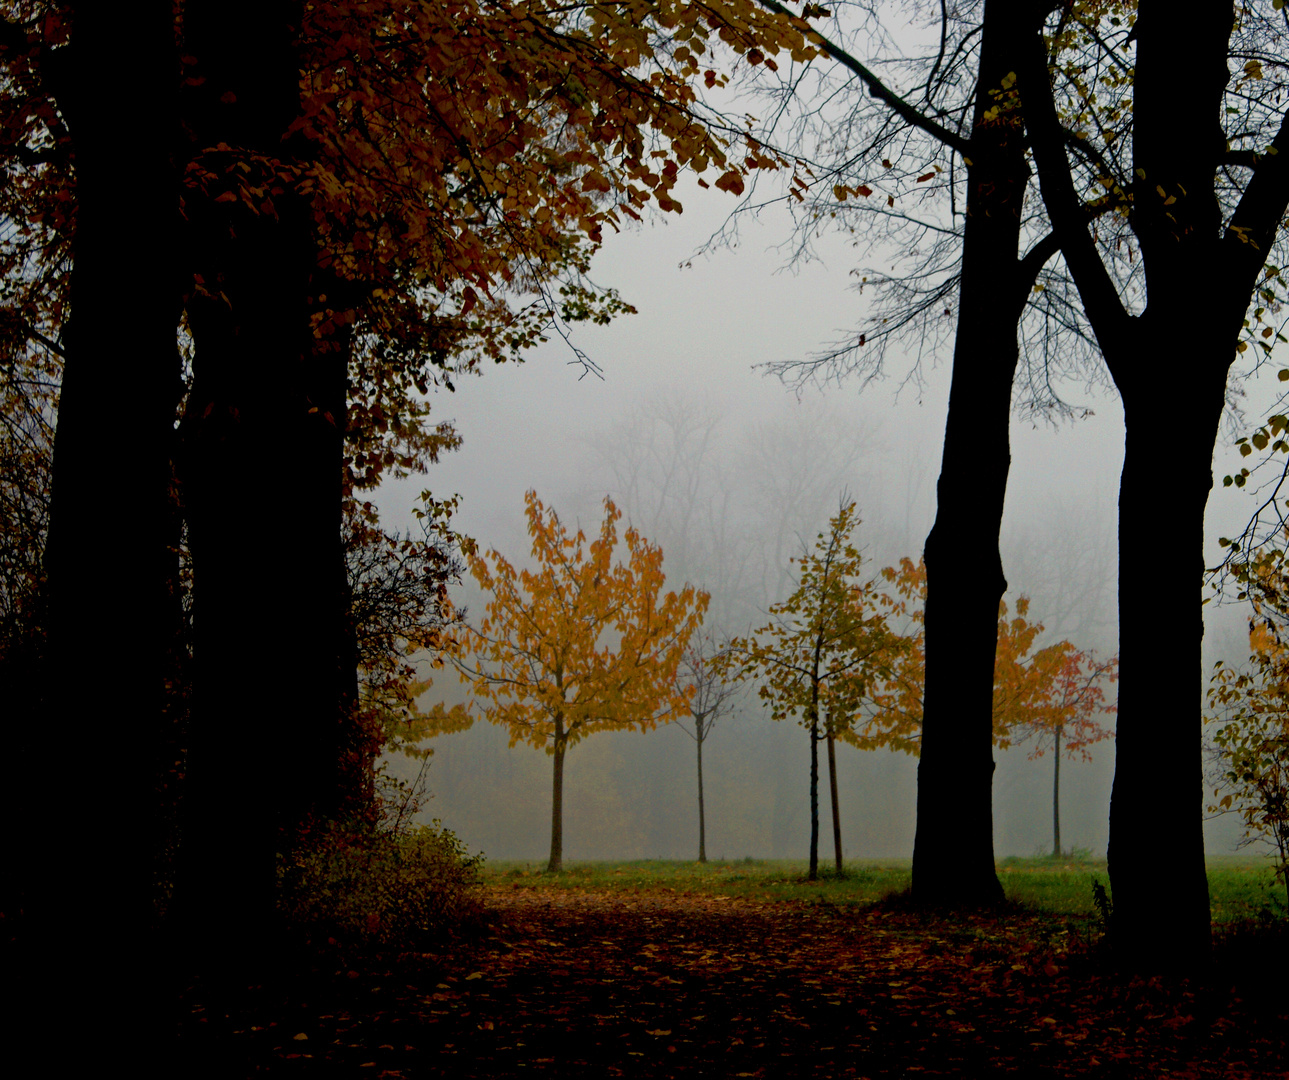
699 332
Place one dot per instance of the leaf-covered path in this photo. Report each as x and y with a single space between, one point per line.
592 984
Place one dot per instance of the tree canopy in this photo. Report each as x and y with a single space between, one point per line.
582 644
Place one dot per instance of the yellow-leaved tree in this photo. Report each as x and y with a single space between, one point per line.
824 655
582 644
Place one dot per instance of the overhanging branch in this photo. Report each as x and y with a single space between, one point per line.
876 88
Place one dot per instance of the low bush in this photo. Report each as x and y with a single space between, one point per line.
407 889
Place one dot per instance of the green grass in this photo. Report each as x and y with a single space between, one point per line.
1239 886
864 881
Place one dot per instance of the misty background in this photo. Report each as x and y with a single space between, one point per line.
732 472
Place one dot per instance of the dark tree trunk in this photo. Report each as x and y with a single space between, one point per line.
1056 798
1156 804
262 446
702 820
832 787
91 843
953 851
556 862
814 792
1200 277
1198 286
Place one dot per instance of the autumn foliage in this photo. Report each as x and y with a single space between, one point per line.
845 655
1038 691
583 643
1249 718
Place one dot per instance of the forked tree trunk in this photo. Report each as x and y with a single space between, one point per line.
1198 286
953 851
832 786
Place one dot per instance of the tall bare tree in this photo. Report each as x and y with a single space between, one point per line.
713 697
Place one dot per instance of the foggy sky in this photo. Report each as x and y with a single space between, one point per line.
698 335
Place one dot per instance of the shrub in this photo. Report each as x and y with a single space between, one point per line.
406 889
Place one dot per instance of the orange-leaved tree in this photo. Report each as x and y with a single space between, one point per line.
1053 695
580 645
1062 713
1023 678
1026 683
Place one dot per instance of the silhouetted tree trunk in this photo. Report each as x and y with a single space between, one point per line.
953 851
832 785
556 862
1156 804
1199 280
262 445
91 842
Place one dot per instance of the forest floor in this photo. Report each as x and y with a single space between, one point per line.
573 980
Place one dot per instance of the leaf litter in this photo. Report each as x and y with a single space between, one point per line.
605 984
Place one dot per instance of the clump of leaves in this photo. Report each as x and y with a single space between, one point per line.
1250 742
407 889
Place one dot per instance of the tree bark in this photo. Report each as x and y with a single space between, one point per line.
953 851
269 625
836 810
556 862
1200 277
1056 798
109 559
1156 803
702 820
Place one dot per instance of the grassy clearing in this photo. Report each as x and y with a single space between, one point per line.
864 882
1240 887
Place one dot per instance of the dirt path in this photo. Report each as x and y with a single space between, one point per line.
658 985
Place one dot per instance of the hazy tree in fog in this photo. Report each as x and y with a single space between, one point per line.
1050 696
1067 565
728 503
793 469
1066 720
704 669
401 622
667 462
580 645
